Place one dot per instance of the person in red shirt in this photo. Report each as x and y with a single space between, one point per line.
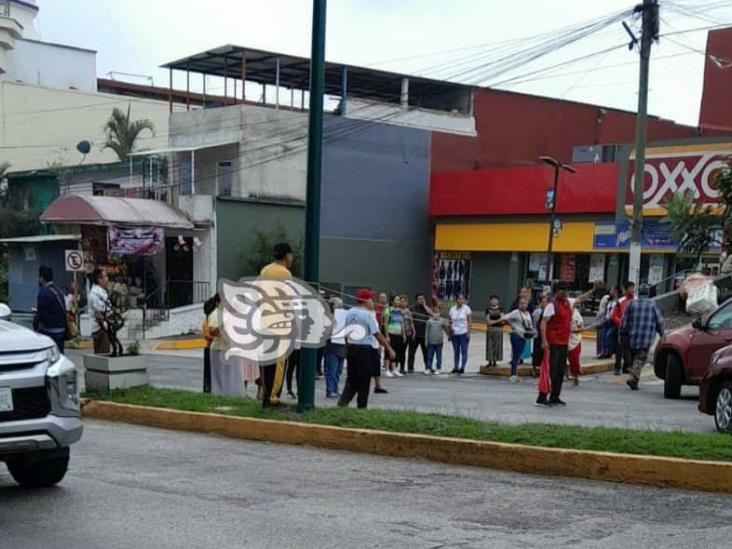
556 327
623 355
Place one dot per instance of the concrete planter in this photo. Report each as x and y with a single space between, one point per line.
106 373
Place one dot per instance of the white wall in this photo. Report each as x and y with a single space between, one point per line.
41 126
25 15
262 133
423 119
52 65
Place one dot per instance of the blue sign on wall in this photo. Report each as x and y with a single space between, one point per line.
656 235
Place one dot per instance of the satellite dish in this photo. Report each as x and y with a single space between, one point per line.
84 147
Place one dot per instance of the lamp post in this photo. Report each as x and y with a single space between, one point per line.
554 163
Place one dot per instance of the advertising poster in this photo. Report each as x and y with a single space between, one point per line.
597 268
450 277
655 270
135 240
568 267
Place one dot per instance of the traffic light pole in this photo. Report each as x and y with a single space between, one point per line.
650 31
308 357
550 247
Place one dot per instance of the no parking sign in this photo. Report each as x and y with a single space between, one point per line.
74 260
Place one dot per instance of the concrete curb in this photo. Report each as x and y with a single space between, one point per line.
708 476
181 345
527 371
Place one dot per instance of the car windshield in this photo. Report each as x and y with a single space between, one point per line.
722 319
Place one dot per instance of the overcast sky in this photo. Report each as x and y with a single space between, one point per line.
136 36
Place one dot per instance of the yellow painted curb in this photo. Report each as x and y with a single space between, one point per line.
181 345
708 476
527 371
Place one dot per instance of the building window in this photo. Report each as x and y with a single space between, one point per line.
224 177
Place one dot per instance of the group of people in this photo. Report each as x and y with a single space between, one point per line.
626 329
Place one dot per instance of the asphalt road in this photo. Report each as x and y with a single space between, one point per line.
602 400
133 486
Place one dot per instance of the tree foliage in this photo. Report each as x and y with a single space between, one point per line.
122 132
260 253
699 227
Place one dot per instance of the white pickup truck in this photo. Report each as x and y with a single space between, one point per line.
39 405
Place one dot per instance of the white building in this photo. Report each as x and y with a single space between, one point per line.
49 100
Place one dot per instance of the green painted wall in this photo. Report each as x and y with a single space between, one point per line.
236 224
494 273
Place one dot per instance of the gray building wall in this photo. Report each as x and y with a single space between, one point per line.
374 227
494 273
374 223
23 275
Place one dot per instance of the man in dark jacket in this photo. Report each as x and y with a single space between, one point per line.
420 314
50 319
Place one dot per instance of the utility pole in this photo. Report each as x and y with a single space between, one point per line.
308 357
649 10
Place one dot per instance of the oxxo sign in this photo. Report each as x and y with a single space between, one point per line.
668 174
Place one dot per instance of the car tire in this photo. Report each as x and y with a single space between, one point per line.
674 377
38 473
723 408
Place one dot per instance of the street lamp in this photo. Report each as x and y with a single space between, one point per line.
554 163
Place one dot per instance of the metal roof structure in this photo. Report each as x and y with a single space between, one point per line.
109 210
289 71
41 238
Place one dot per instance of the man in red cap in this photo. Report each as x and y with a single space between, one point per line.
359 353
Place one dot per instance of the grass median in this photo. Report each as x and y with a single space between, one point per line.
627 441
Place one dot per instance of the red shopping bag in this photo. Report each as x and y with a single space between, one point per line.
545 384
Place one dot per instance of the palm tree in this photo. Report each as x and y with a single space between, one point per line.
122 132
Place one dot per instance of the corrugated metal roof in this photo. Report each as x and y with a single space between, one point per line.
108 210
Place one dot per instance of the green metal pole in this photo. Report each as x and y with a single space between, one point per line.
308 357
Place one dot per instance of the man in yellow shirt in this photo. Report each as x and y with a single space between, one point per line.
273 376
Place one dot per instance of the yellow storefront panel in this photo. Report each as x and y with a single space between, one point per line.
513 237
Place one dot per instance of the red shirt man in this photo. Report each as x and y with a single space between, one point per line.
619 311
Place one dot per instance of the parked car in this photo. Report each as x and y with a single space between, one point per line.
715 390
39 405
682 356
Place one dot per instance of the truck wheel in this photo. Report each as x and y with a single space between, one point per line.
38 470
723 409
674 378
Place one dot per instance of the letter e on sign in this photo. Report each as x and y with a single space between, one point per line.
74 260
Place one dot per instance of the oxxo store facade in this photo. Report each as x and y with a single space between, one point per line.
498 220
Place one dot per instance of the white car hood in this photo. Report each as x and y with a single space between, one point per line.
15 338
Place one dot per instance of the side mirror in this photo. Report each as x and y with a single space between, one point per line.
5 312
698 323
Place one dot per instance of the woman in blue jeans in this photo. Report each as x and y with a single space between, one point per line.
522 329
461 317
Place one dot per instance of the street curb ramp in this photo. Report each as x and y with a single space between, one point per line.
707 476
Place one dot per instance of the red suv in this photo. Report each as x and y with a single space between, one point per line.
682 356
715 390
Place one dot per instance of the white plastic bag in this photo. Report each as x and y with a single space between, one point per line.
702 299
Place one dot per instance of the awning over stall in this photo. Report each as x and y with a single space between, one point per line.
108 210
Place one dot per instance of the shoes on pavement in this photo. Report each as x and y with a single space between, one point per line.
437 372
332 395
398 374
616 372
455 371
461 371
381 391
542 401
427 373
290 394
557 402
575 381
410 371
633 384
389 373
513 379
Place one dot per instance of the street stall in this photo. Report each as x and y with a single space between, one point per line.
133 241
